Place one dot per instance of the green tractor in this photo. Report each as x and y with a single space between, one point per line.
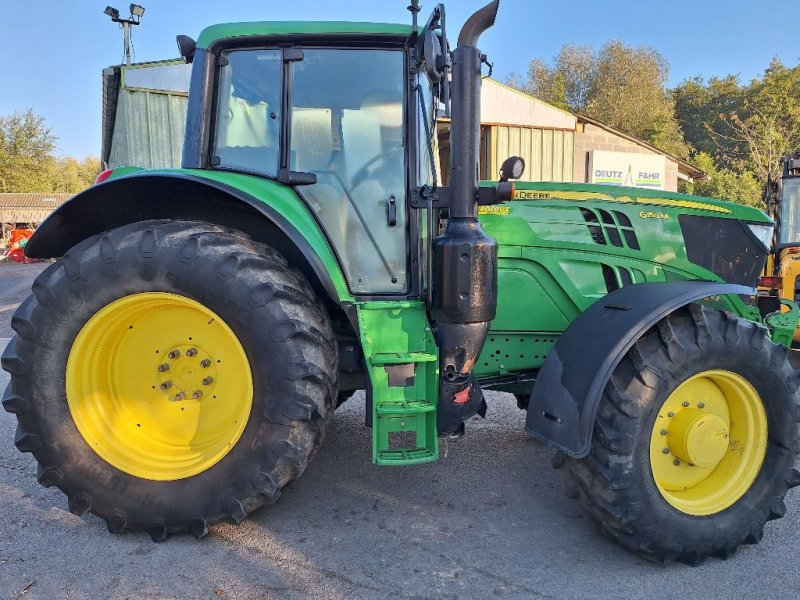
179 362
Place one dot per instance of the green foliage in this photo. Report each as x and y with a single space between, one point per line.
27 161
622 86
741 131
725 184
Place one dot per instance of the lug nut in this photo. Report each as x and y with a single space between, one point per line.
701 405
665 451
174 354
663 432
685 405
163 367
197 394
191 352
205 363
208 380
670 414
166 385
180 396
676 462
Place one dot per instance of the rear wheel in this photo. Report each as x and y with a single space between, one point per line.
695 441
168 375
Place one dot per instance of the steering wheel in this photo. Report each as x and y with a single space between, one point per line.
365 170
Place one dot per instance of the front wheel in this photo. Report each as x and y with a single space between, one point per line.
695 441
168 375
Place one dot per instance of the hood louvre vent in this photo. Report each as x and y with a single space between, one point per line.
605 229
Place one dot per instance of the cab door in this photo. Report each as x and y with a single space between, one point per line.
347 128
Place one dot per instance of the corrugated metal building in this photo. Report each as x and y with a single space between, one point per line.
144 114
517 124
513 123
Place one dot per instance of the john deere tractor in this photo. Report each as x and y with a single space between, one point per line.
179 362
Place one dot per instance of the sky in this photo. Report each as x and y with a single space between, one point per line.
53 52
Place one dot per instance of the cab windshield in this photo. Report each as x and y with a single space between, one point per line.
790 212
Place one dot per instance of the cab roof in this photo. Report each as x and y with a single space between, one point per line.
214 33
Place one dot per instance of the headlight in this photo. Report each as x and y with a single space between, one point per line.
763 233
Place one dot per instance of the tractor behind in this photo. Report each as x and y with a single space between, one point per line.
782 198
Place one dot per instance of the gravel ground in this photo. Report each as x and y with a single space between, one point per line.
488 520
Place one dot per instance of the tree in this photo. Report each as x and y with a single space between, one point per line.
26 151
622 86
746 128
27 162
71 176
725 184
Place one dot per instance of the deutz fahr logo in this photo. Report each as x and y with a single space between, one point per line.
653 215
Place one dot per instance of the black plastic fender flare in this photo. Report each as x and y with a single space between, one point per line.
146 195
570 384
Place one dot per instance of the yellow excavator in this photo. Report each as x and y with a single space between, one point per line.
782 198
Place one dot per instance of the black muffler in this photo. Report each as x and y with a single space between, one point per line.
464 298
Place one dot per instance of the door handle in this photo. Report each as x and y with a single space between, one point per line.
391 211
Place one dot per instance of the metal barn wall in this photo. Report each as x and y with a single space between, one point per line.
549 154
148 129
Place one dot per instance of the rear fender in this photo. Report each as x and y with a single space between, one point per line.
570 384
272 213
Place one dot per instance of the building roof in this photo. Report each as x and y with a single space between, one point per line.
40 201
685 168
229 30
29 208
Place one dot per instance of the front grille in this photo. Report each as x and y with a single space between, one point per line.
725 247
604 228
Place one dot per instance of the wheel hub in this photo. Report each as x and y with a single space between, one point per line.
708 442
698 438
188 373
159 386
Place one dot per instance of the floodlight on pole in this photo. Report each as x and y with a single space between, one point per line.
137 12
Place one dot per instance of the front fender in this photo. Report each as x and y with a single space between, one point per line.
265 210
570 384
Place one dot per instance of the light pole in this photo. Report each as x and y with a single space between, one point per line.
136 13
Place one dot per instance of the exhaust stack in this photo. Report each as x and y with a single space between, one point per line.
464 299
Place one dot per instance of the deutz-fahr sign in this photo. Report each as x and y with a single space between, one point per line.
627 168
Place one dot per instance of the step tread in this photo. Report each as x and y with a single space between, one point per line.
408 456
403 407
399 358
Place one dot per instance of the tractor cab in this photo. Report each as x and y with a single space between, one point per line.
345 113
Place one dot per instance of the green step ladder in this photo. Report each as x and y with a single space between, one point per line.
403 363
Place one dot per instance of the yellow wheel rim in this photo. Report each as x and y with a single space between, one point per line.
708 442
159 386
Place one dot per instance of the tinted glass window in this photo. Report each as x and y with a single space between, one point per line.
347 129
790 212
248 111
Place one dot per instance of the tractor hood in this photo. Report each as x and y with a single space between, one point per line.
662 234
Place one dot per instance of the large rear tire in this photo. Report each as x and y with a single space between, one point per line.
169 375
695 441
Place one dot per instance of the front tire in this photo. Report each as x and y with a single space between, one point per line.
695 441
200 376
